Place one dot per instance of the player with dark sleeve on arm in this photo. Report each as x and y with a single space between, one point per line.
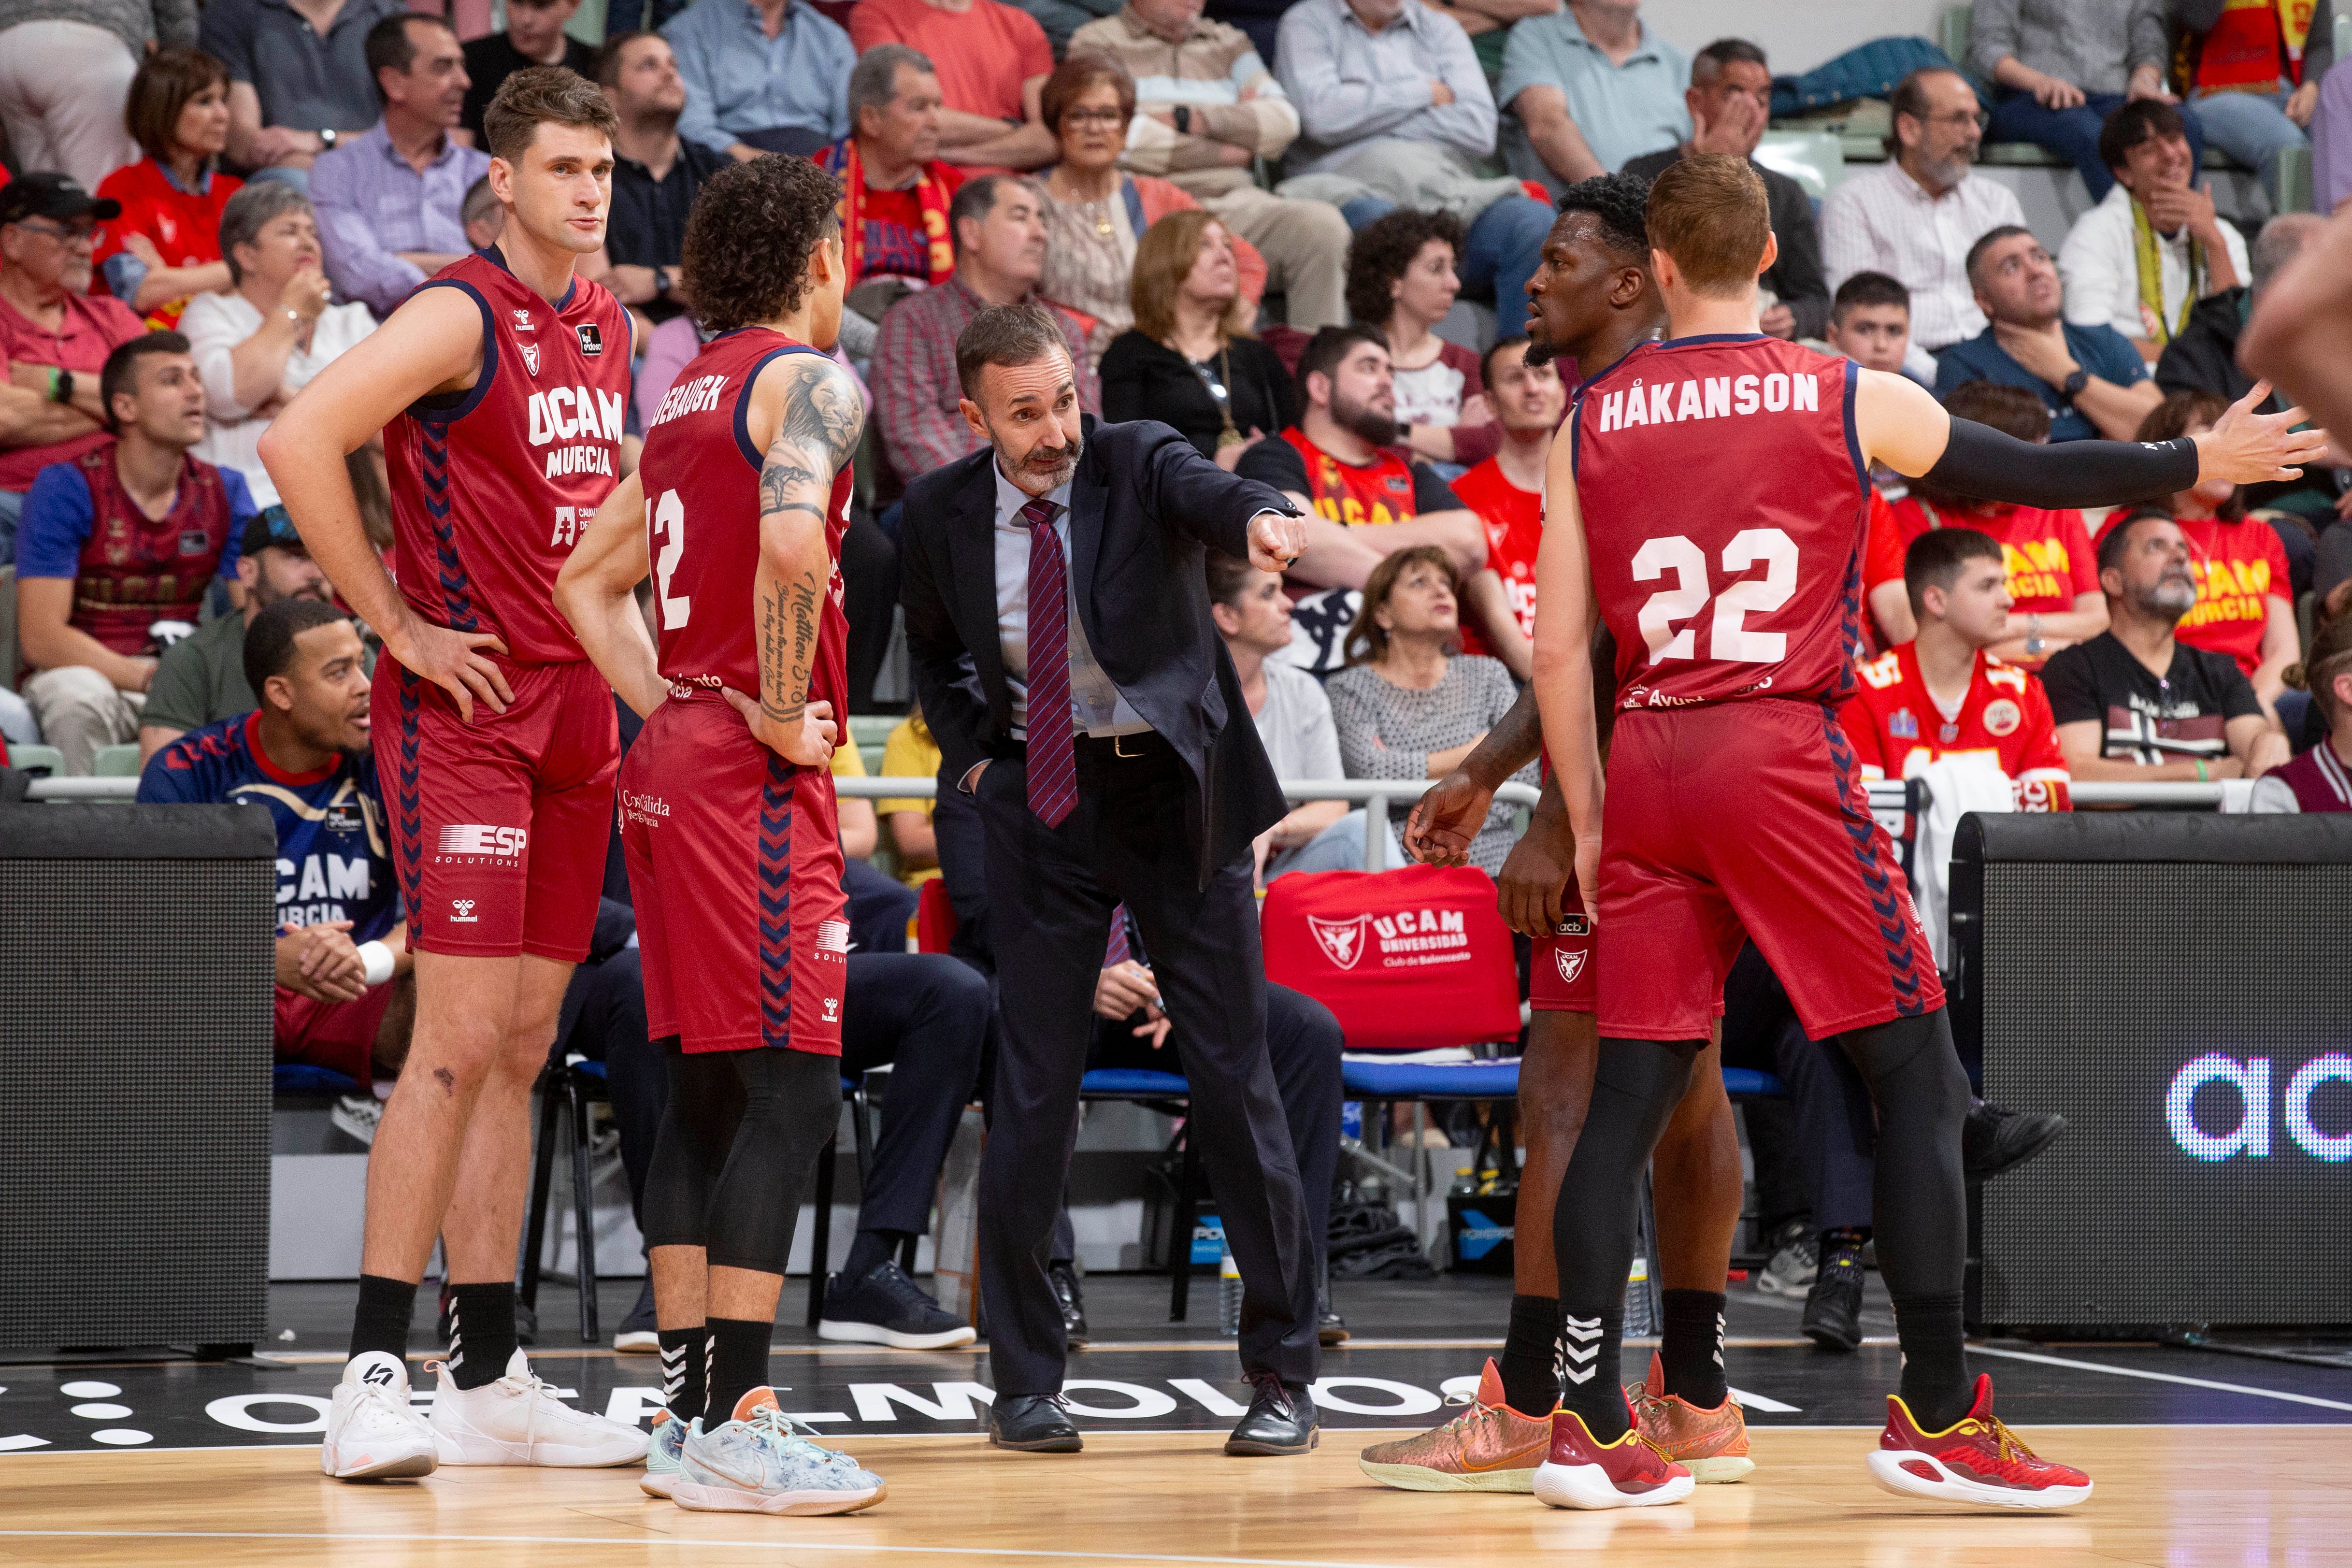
499 387
1734 625
727 813
1591 302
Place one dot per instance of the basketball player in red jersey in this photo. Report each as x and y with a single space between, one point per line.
1736 804
500 386
1592 301
727 814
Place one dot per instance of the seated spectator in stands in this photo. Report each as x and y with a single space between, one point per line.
1400 281
2053 575
999 225
1395 111
2244 607
1870 323
2134 704
992 62
1730 101
2203 357
1209 107
345 995
295 90
1293 718
1362 500
2141 259
69 72
1915 216
117 540
2253 74
484 218
656 173
391 202
2320 779
1944 692
881 907
1189 361
1095 214
534 36
1590 87
259 343
1506 493
909 752
2090 378
166 245
1407 707
762 76
895 191
2063 66
200 679
54 334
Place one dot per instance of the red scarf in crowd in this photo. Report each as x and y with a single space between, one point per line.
930 196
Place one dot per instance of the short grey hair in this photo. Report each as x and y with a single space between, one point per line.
253 209
874 81
2281 241
1708 63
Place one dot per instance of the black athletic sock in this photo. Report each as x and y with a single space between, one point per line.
1692 1351
380 1322
1844 1238
1935 1363
738 1363
1590 1381
1530 1359
685 1370
481 1332
871 1251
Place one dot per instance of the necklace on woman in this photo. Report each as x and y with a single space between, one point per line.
1101 211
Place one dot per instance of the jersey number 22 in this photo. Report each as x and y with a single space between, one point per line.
1731 638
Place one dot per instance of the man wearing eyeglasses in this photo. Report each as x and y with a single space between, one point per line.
55 334
1914 216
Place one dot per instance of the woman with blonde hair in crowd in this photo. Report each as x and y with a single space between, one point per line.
1189 359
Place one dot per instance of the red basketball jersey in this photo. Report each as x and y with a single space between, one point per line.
491 487
1726 557
1897 728
701 476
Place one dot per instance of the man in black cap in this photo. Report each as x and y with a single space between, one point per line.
200 679
54 332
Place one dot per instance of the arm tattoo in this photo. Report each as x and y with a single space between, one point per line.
816 438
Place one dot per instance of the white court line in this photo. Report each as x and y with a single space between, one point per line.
697 1543
2161 1377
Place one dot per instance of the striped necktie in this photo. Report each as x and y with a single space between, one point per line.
1052 759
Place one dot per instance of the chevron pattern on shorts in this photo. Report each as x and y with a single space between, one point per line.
774 891
1882 874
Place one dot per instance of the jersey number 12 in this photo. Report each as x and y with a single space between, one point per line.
1730 640
666 521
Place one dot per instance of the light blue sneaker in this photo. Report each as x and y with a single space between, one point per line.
661 1456
763 1461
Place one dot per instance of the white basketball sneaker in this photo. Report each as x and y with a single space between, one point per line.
518 1420
373 1431
763 1461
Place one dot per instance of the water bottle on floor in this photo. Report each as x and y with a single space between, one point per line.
1229 1292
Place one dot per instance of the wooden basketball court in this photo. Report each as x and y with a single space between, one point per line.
2168 1495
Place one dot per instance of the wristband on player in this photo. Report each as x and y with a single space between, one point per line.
378 959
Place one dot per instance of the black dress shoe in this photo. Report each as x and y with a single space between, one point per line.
1073 1305
1281 1419
1034 1424
1994 1140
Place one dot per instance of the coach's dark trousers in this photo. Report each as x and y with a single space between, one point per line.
1051 893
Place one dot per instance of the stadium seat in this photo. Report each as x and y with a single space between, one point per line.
565 1090
115 762
935 917
47 757
852 1090
1814 159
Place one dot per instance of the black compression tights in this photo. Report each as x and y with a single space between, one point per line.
738 1147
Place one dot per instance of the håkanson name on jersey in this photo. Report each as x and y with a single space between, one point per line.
1709 397
577 414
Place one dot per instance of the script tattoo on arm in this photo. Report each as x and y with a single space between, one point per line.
817 438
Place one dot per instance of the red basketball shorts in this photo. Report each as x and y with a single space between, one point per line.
338 1036
500 827
1560 970
1749 818
735 866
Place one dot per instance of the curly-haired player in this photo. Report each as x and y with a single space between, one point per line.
727 814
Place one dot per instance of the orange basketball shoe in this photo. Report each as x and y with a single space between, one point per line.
1583 1472
1711 1443
1975 1460
1490 1447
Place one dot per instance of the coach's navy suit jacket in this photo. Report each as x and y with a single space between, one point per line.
1143 507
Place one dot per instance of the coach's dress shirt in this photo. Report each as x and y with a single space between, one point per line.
1096 707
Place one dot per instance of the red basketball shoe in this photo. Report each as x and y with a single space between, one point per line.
1975 1460
1583 1472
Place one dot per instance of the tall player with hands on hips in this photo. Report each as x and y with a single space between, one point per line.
728 814
1735 619
500 386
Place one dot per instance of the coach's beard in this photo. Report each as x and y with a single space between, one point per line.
1044 469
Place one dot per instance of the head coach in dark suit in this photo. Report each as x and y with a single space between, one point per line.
1058 621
